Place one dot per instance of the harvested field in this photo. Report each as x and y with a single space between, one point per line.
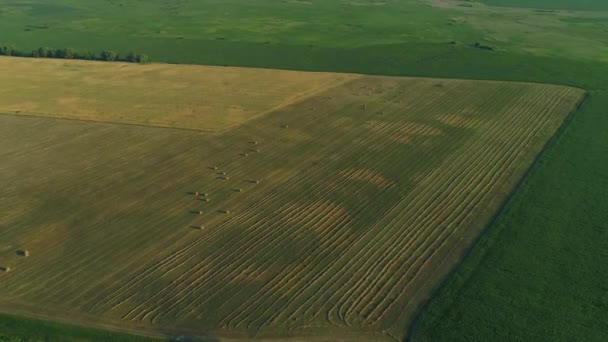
185 96
345 229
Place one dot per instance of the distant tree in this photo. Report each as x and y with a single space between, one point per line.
36 53
109 55
44 52
131 57
87 55
142 58
6 50
68 53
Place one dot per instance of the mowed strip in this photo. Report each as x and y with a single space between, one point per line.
336 214
182 96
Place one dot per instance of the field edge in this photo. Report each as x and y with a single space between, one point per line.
482 237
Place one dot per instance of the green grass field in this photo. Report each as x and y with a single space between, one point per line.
217 32
580 5
564 209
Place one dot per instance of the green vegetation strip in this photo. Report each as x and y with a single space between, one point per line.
17 329
580 5
70 53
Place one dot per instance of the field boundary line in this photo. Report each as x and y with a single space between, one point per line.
304 96
50 116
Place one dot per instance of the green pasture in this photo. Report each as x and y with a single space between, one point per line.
580 5
196 31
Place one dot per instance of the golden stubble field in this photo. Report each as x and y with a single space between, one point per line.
334 216
184 96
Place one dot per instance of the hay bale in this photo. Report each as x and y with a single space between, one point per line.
206 199
205 194
285 126
225 211
200 212
196 193
5 269
238 190
257 181
23 253
226 178
254 142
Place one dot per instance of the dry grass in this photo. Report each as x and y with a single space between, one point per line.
183 96
339 224
369 176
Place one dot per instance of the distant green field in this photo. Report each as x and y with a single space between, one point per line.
156 23
578 5
211 31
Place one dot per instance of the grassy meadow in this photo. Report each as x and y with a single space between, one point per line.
580 5
233 32
300 226
538 271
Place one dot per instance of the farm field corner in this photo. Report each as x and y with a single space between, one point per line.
328 216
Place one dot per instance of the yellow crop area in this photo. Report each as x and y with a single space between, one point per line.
333 216
185 96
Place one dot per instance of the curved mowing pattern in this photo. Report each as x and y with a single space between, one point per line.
336 214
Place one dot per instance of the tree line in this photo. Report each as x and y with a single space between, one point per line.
69 53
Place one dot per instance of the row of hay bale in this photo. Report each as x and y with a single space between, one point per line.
204 196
